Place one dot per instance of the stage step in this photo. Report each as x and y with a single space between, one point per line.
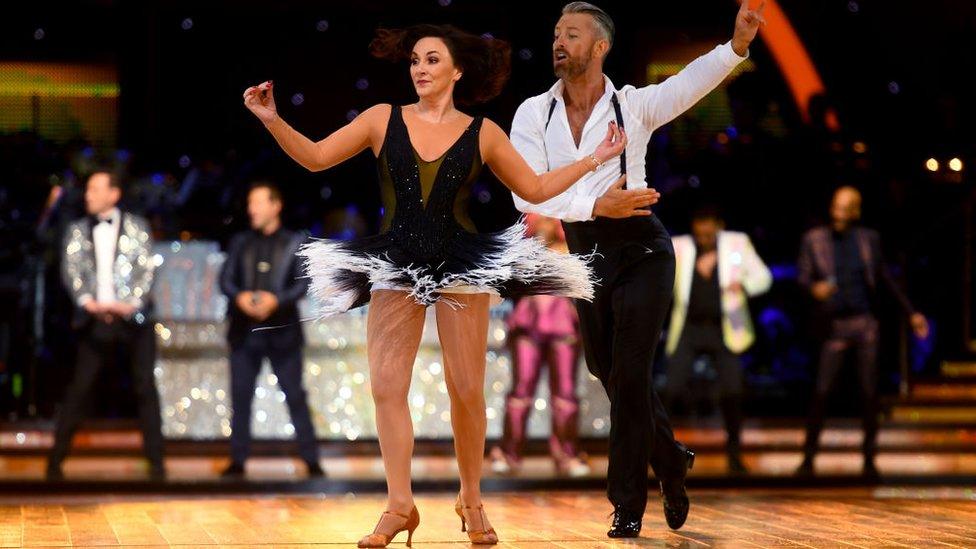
705 438
941 412
944 391
959 369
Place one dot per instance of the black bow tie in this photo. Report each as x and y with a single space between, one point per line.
96 220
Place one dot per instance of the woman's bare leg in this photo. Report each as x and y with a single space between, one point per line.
393 332
463 330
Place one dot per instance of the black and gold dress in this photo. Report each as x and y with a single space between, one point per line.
428 245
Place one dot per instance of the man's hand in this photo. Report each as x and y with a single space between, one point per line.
747 23
920 325
823 290
120 309
93 307
705 264
245 302
267 304
618 202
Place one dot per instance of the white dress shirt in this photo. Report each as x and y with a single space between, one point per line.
643 110
105 236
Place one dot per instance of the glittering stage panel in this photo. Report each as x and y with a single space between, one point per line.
192 370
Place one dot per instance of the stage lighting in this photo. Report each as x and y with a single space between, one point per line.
322 26
351 114
932 165
297 99
955 165
859 147
187 24
362 84
39 34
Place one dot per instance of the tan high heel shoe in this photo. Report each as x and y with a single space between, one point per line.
477 537
382 539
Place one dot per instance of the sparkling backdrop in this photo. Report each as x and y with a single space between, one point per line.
193 377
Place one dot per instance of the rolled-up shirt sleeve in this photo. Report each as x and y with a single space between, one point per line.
528 137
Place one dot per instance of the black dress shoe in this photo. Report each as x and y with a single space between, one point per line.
157 473
234 470
736 467
805 469
314 469
676 502
54 472
626 523
870 471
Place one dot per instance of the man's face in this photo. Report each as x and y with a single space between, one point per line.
705 232
845 208
574 45
262 208
100 196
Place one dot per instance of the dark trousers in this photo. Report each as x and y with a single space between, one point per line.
98 344
706 339
621 329
860 334
245 364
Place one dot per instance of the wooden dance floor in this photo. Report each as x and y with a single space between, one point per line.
883 517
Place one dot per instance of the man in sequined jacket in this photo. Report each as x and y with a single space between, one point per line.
107 268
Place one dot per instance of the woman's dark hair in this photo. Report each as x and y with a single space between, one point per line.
485 61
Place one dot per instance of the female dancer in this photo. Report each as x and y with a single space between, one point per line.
543 330
429 253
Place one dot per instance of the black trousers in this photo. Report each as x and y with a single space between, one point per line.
245 365
706 339
621 329
100 343
860 334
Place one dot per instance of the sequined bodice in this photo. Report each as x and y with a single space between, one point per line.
425 204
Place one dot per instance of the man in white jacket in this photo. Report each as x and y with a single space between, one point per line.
716 272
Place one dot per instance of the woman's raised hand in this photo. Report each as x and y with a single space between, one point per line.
260 101
613 144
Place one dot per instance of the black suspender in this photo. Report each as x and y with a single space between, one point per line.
620 124
552 107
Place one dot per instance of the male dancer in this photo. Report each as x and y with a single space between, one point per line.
622 326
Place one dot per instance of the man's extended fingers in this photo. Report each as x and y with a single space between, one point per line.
642 202
639 192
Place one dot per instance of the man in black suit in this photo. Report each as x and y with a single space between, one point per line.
107 268
842 268
262 281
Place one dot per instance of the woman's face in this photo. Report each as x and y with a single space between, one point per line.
432 68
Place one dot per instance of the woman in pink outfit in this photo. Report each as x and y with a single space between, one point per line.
543 330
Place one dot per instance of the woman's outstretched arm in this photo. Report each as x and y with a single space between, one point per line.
513 171
366 130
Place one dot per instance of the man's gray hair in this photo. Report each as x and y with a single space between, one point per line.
604 25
